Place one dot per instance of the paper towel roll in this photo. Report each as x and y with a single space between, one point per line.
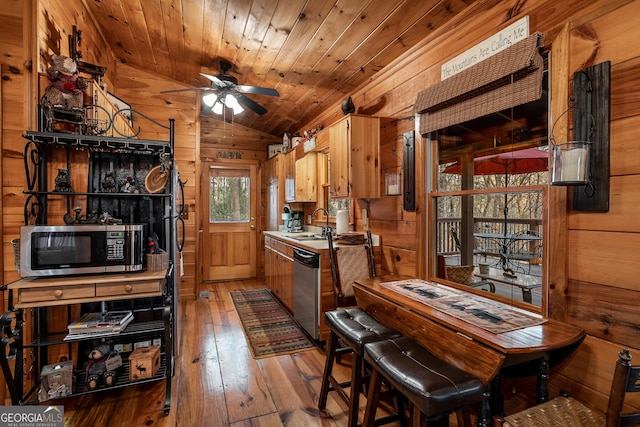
342 222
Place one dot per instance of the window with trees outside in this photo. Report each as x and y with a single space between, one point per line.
489 203
229 195
331 205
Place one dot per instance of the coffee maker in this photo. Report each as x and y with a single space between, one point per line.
293 221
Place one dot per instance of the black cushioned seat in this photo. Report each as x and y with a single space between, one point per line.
433 386
354 328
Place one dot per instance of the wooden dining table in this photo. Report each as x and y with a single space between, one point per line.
484 337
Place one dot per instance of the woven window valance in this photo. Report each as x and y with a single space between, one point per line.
509 78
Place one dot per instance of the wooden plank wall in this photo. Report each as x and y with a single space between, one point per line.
12 91
12 84
601 290
142 91
602 293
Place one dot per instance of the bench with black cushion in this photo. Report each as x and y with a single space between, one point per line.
354 328
433 387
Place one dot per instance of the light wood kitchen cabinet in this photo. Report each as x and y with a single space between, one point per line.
279 270
279 274
300 175
355 150
306 178
274 191
290 176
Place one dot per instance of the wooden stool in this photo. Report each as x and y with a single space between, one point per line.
355 328
433 387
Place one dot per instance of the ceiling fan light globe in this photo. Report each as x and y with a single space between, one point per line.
238 109
217 107
210 99
232 103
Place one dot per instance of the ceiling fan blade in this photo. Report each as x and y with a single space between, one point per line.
218 81
250 104
187 89
257 90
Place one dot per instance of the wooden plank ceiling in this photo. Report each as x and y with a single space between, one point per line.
313 52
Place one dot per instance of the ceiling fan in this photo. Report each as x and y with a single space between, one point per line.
225 91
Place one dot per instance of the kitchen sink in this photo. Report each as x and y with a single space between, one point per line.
300 237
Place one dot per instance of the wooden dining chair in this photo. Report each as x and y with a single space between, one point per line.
564 410
348 264
351 327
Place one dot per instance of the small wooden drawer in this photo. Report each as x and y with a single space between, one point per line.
275 243
51 294
285 249
288 251
128 288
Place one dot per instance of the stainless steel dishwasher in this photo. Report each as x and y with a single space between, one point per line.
306 294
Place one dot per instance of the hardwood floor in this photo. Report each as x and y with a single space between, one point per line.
217 382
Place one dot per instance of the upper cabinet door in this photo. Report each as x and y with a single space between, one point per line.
306 178
355 151
339 160
364 157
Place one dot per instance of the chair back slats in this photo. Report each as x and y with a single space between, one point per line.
353 264
348 263
372 260
337 293
633 383
626 378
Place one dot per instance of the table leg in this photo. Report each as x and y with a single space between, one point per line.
542 388
526 295
497 400
484 417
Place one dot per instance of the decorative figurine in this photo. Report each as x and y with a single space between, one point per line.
348 107
63 182
65 87
152 246
109 183
106 218
98 370
129 186
92 217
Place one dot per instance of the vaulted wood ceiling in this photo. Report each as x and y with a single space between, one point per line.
314 52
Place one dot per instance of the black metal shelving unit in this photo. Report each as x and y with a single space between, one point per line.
159 211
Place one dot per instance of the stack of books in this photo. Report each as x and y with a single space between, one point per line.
95 325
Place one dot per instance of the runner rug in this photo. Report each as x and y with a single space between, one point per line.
268 327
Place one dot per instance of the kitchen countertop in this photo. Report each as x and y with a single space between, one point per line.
312 245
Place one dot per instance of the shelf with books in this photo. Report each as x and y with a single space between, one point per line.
153 327
103 322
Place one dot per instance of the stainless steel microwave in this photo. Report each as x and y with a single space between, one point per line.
58 250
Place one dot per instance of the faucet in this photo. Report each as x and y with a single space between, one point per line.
326 229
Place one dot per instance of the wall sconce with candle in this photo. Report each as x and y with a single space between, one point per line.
584 162
392 184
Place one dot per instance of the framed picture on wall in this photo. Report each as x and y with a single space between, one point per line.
119 104
273 149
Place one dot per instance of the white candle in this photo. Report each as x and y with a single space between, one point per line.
574 165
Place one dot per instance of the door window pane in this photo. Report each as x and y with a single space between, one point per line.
229 191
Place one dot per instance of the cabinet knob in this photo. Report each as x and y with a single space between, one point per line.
128 288
57 293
